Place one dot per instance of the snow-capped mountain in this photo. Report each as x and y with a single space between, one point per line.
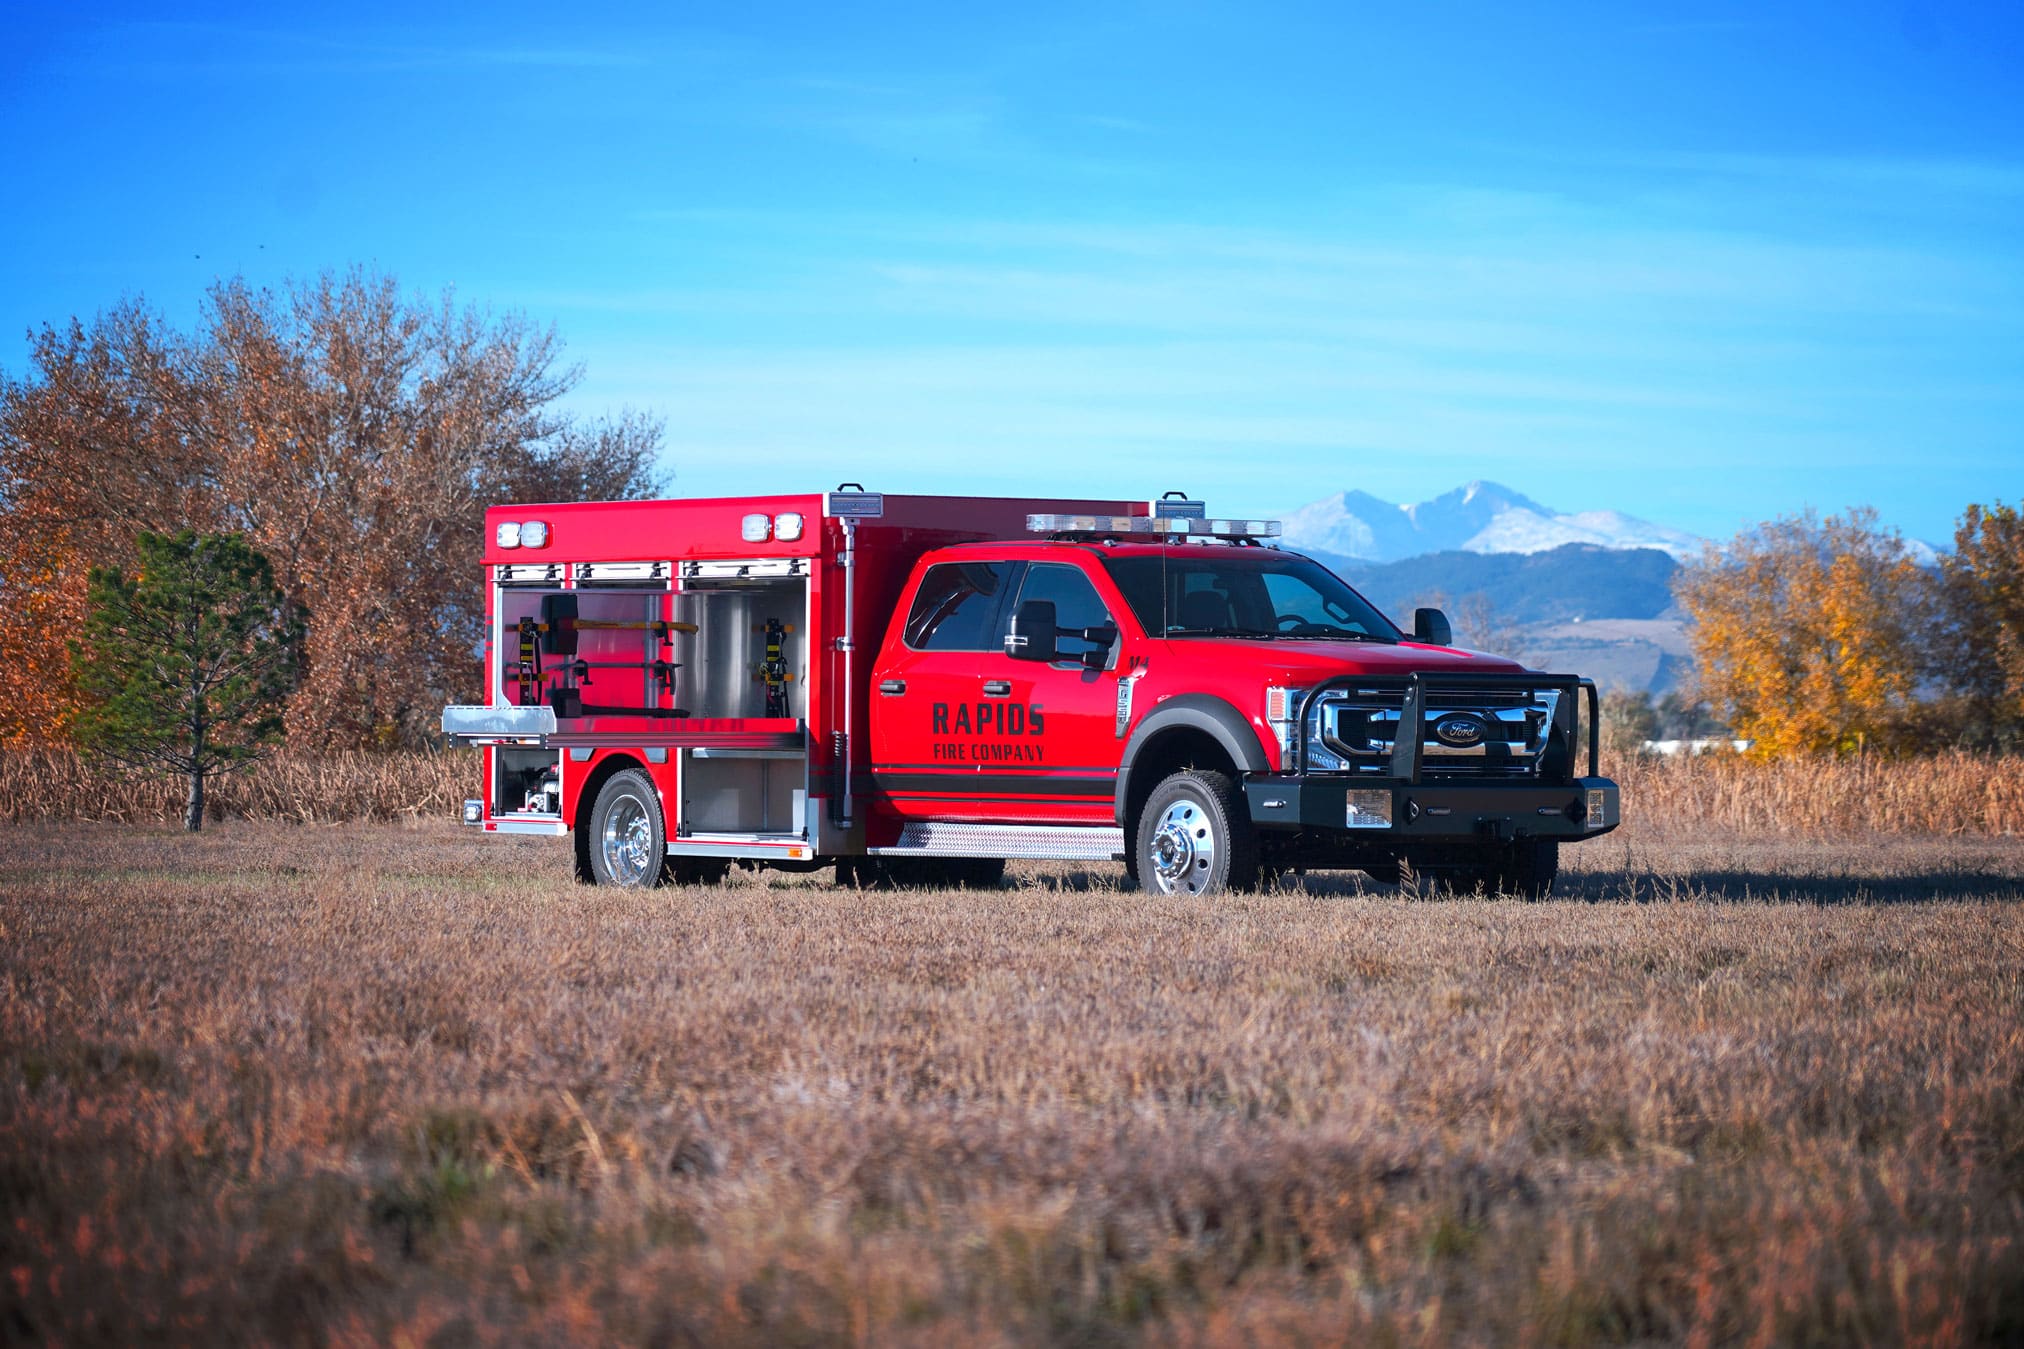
1483 517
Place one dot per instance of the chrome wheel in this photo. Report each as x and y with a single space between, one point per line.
628 840
1181 855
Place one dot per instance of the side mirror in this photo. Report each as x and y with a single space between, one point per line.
1101 639
1034 635
1431 626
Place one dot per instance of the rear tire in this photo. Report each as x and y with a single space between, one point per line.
1530 870
1194 837
1525 869
628 837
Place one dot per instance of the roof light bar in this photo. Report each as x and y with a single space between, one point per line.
1145 525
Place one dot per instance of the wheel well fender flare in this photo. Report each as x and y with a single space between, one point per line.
1200 712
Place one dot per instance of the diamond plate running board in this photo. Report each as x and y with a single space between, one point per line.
1072 843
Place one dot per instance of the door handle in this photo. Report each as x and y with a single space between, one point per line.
998 688
892 686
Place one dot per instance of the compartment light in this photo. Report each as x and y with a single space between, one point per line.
508 535
787 526
534 534
755 529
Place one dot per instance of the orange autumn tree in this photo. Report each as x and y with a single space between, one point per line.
1806 633
98 443
353 434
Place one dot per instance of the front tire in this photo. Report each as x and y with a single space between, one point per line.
1194 837
628 837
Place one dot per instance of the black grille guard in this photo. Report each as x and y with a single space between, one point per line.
1419 690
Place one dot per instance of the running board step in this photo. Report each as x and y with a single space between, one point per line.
1063 842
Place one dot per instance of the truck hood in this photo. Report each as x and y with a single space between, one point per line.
1297 662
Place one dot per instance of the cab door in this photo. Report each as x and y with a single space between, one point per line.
962 731
926 684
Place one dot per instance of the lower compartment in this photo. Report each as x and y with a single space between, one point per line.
743 792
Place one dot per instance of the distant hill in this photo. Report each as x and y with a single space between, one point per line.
1482 517
1568 584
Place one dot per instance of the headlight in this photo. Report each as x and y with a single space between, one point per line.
787 526
756 529
508 535
533 534
1282 705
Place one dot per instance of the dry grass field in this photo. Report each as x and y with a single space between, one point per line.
397 1084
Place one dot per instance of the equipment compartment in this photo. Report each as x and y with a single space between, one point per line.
595 651
743 792
750 655
526 781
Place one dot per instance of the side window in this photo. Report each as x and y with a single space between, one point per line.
956 608
1076 604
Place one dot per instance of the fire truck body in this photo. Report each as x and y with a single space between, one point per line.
733 782
860 679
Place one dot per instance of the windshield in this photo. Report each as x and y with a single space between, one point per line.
1198 591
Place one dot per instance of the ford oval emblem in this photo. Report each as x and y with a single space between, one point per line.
1460 729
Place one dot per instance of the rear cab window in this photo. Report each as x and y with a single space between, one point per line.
960 607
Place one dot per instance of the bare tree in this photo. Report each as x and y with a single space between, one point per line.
353 435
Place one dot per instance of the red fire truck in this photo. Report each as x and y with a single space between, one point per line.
918 688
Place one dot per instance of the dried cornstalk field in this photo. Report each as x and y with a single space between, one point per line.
345 785
399 1085
1954 793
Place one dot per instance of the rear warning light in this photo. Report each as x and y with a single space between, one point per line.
521 534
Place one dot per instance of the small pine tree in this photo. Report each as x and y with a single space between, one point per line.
186 666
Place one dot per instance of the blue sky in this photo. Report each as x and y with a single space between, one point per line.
1704 264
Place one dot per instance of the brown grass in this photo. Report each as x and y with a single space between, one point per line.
1952 793
404 1085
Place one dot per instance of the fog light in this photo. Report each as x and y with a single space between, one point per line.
1598 808
1369 810
474 811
